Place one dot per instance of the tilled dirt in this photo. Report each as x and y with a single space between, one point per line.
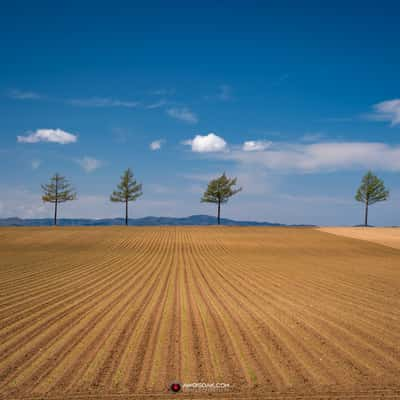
276 313
386 236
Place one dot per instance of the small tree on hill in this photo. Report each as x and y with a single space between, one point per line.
57 191
128 190
219 191
372 190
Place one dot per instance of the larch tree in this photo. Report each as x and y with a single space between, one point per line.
128 190
57 191
372 190
219 191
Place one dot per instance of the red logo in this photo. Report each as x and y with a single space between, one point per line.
175 387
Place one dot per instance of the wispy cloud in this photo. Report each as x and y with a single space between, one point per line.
23 95
48 135
157 104
317 157
256 145
388 110
36 164
102 102
210 143
156 144
89 164
183 114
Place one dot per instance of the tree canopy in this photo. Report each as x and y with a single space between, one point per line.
128 190
219 191
57 191
372 190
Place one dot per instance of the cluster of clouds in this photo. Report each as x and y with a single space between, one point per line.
388 110
278 156
58 136
310 155
300 157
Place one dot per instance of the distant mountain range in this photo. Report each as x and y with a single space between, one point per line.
146 221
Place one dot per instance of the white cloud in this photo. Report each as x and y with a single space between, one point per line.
157 104
36 164
207 144
156 144
23 95
183 114
388 111
102 102
89 164
318 157
256 145
48 135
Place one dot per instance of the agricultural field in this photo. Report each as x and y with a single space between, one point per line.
277 313
386 236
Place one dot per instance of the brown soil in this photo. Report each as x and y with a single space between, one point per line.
386 236
276 313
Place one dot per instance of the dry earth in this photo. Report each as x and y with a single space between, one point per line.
278 313
386 236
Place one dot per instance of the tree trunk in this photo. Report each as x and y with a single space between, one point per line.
219 212
366 214
55 212
56 204
126 212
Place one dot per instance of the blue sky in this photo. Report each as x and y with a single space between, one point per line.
297 102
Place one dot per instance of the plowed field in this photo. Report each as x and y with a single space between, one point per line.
121 312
